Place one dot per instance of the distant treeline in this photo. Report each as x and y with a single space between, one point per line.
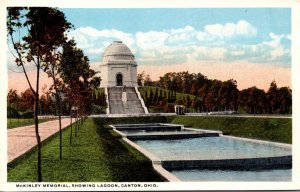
22 105
216 95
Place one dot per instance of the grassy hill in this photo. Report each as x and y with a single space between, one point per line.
178 95
166 99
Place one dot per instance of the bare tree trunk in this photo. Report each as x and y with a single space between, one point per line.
60 132
38 138
76 125
71 130
18 113
59 113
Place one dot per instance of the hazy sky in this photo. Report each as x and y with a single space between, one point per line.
251 46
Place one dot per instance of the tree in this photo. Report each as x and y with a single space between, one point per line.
141 78
155 99
77 76
51 64
146 97
45 103
13 99
228 95
285 99
272 96
147 81
224 95
27 100
188 101
151 97
43 32
253 100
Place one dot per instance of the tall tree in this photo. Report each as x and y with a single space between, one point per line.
78 78
141 78
51 65
43 32
285 99
148 81
13 98
27 100
272 95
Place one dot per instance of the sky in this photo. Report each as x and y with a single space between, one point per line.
252 46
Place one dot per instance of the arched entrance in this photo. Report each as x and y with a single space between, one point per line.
119 79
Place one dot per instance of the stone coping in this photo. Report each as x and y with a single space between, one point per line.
169 136
120 133
132 115
150 128
141 99
260 163
204 130
145 124
164 135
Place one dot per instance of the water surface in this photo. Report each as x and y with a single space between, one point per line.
225 175
210 148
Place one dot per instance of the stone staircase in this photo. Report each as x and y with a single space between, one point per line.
131 106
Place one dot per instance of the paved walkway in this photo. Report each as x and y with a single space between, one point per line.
22 139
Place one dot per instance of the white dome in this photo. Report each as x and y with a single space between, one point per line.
117 51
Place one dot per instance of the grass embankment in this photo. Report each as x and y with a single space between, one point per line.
96 154
272 129
13 123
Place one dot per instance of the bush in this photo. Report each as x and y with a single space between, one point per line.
27 114
169 108
96 109
12 113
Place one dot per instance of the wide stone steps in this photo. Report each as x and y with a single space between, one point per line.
117 106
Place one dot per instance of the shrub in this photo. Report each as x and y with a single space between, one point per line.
96 109
27 114
12 113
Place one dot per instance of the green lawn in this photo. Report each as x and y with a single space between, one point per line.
272 129
96 155
13 122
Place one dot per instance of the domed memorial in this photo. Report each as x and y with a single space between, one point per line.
119 78
118 67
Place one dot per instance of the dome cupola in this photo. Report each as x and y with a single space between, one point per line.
118 52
